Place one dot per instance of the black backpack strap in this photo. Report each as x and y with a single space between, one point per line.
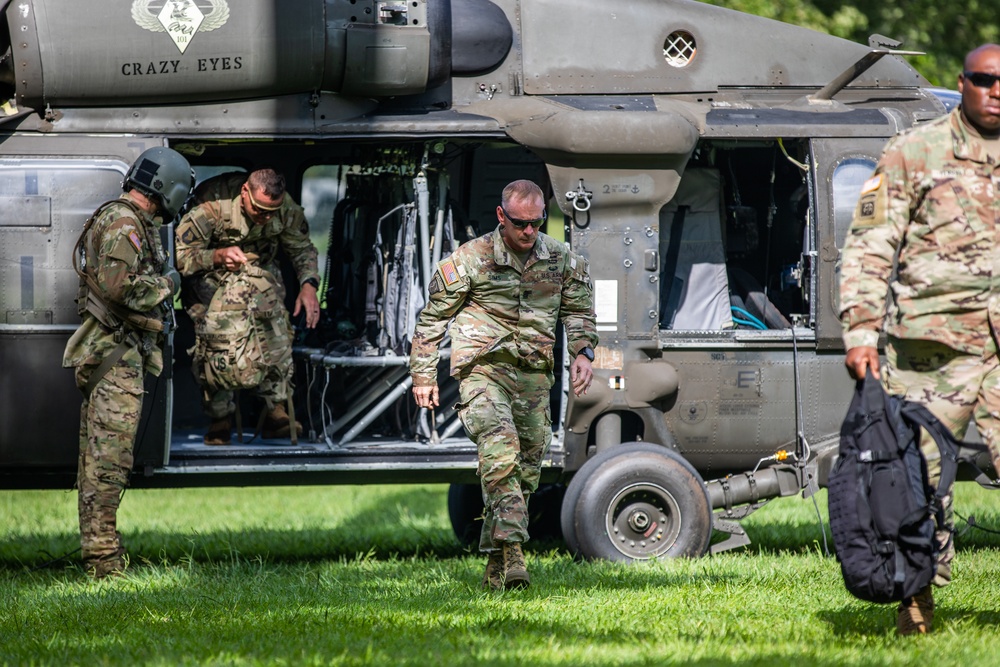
949 446
873 395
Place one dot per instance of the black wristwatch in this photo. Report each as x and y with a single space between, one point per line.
587 352
311 281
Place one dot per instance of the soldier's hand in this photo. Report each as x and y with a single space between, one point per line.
859 359
231 258
308 303
426 397
581 373
170 273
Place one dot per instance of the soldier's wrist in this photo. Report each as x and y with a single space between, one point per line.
423 381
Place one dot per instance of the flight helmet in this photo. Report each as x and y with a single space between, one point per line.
164 174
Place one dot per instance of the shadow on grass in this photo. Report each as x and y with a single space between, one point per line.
977 527
382 528
873 620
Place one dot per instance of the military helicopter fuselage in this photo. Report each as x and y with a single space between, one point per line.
706 163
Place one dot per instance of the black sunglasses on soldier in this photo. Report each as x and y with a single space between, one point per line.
521 224
981 79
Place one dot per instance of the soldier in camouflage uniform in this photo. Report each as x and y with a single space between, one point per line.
506 291
127 288
232 216
926 226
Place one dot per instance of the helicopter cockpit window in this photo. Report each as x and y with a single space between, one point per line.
848 177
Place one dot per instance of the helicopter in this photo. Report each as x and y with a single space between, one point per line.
706 163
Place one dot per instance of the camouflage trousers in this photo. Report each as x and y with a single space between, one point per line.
505 411
956 387
109 419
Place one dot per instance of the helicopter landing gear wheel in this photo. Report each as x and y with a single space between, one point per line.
637 502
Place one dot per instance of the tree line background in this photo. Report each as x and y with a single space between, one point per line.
944 30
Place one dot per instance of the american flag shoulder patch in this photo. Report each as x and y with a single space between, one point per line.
134 238
872 184
449 273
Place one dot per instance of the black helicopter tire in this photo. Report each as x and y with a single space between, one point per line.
638 502
465 511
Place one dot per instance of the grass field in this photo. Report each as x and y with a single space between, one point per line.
373 576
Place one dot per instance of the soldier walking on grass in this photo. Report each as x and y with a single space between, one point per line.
126 291
926 227
506 291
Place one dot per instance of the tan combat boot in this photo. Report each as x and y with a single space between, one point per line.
494 575
277 424
109 565
220 432
515 569
916 613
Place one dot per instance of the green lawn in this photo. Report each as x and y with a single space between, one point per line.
372 575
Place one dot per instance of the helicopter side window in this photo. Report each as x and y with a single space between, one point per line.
36 198
848 177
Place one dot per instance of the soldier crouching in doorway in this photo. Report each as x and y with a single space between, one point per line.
237 220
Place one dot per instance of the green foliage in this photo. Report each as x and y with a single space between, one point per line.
373 576
946 31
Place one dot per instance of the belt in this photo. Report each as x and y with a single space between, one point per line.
505 357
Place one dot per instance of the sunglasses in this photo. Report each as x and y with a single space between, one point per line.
521 224
981 79
258 211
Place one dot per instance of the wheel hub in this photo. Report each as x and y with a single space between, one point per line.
643 521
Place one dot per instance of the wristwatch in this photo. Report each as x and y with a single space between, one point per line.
587 352
311 281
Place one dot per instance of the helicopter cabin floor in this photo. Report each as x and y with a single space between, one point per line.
278 461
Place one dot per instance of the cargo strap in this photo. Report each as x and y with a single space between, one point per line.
130 341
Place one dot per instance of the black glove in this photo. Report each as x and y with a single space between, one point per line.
170 273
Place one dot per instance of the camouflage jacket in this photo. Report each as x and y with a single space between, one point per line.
932 202
216 220
498 306
124 257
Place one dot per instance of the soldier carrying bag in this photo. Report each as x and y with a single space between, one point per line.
244 331
883 510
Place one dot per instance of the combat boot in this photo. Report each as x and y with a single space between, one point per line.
101 567
515 571
220 432
494 575
277 424
916 614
